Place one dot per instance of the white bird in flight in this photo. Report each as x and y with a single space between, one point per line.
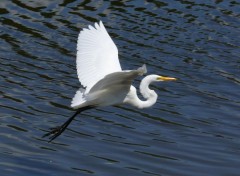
104 81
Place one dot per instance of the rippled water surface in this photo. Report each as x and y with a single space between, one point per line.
193 129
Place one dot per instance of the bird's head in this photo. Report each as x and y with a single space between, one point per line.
157 78
144 86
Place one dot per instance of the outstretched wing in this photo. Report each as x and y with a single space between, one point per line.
118 79
97 55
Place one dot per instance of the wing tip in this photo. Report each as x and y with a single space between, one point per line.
142 70
95 26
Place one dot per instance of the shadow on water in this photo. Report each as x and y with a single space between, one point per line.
193 129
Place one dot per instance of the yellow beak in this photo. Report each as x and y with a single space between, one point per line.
163 78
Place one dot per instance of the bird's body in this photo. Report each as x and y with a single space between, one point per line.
104 82
110 90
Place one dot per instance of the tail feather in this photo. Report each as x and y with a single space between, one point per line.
79 98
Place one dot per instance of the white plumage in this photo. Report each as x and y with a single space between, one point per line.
99 71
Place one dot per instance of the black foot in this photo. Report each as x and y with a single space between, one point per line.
55 132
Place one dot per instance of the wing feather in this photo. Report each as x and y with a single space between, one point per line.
97 55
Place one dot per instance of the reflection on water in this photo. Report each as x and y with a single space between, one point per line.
192 130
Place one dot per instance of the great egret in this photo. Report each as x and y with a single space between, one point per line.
105 83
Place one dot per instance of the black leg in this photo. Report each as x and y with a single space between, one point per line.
56 131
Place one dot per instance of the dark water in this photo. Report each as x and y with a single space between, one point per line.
193 129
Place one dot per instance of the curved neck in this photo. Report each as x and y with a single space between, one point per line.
148 94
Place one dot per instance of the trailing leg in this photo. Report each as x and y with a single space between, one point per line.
56 131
